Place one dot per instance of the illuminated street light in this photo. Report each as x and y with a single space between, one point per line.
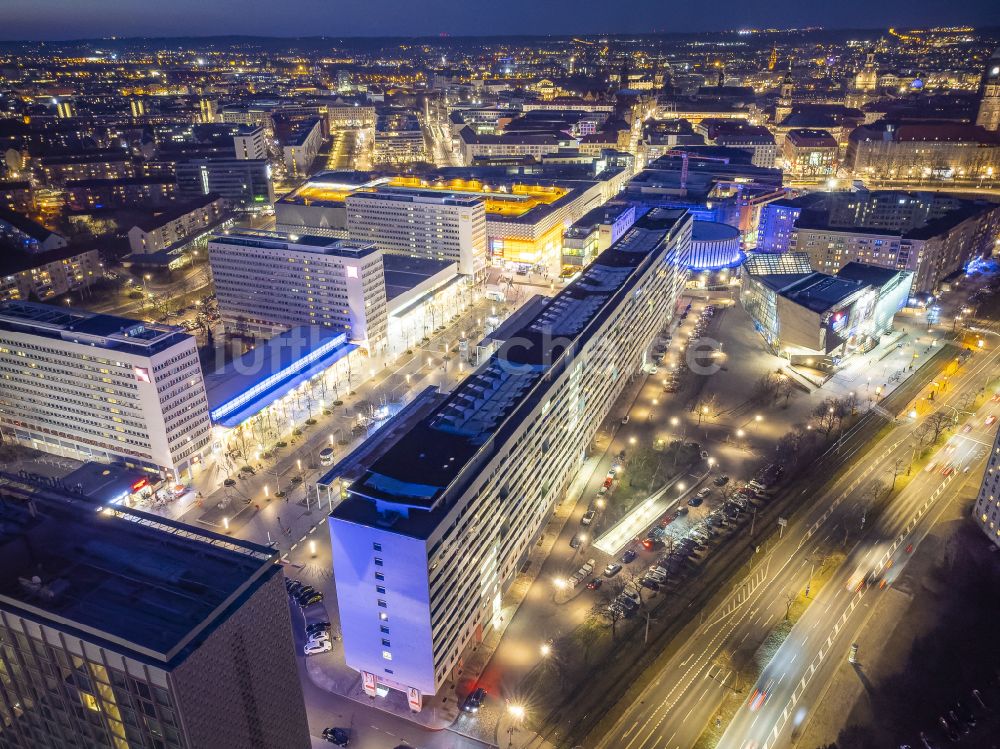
225 523
516 711
312 548
913 413
545 650
681 486
631 440
559 583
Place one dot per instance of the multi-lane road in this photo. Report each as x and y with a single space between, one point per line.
686 695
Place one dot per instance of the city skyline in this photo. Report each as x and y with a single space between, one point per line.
561 387
142 19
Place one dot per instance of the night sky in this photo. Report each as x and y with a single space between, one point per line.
74 19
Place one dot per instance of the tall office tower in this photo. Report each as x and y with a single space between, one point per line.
99 387
246 183
268 282
250 143
422 224
123 629
989 94
987 509
429 539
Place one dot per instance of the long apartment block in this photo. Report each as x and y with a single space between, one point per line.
101 387
269 282
429 538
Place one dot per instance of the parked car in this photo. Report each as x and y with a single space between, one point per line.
612 569
309 600
695 501
704 492
317 627
575 542
315 648
595 583
588 517
337 736
474 701
721 480
629 555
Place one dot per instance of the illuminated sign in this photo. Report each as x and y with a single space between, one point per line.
140 484
141 374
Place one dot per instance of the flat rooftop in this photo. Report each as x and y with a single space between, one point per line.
505 197
89 328
271 370
144 586
410 481
273 240
404 273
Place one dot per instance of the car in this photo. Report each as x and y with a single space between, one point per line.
612 472
315 648
681 511
649 543
629 556
320 636
667 519
760 695
648 582
695 501
474 701
602 491
588 517
967 428
595 583
309 600
607 482
721 480
293 587
317 627
338 736
989 420
612 569
704 493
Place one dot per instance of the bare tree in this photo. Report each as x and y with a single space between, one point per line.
790 598
827 414
606 608
936 424
766 388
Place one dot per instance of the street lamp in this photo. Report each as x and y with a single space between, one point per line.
681 486
545 650
516 712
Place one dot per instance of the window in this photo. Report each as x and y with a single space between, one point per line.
386 643
379 576
383 616
387 655
380 589
384 629
378 561
382 604
377 547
